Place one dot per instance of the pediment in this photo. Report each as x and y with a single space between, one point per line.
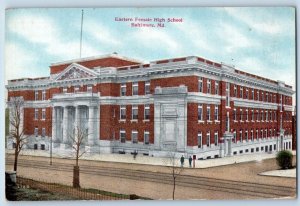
75 71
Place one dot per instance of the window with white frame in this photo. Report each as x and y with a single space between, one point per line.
135 112
267 97
43 132
241 135
135 88
200 84
122 136
123 112
134 137
123 89
76 88
256 134
217 87
208 113
241 115
44 95
261 134
247 115
199 138
216 138
274 132
209 86
270 116
36 131
146 137
216 113
147 87
275 118
257 94
262 96
234 115
275 98
36 114
252 94
266 133
36 95
257 115
270 133
89 88
266 115
208 139
147 111
235 91
234 136
241 92
246 135
252 115
227 122
247 93
227 94
252 136
43 114
262 115
200 112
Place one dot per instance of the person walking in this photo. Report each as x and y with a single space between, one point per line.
182 161
190 161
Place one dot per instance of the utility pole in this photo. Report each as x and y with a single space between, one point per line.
81 34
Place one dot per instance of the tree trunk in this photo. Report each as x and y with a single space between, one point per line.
16 159
174 183
76 181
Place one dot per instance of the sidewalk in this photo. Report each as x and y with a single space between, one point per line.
127 158
281 173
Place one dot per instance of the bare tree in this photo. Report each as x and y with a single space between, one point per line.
173 164
16 132
78 138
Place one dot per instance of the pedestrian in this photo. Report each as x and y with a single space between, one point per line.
190 161
182 161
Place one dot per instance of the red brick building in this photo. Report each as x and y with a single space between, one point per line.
193 104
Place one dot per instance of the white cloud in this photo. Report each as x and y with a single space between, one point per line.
152 37
262 22
100 32
44 31
18 62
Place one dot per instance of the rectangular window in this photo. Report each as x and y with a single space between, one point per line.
146 137
147 111
76 88
241 115
241 92
262 96
270 133
257 94
274 132
234 136
262 115
252 137
256 134
241 135
247 93
43 132
43 114
199 138
89 88
123 89
266 133
266 115
216 112
246 135
122 136
147 87
44 95
235 91
252 94
208 139
36 131
200 84
123 112
36 114
234 115
216 138
208 113
135 88
261 133
227 94
134 137
208 86
267 97
227 122
247 115
135 111
217 87
200 112
257 116
275 118
36 95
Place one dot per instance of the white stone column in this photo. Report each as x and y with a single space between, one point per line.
65 125
77 121
91 126
54 121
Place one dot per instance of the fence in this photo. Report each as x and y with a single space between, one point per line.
76 193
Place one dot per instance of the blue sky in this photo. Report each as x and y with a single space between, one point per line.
256 40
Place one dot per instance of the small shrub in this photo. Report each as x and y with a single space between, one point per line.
284 159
